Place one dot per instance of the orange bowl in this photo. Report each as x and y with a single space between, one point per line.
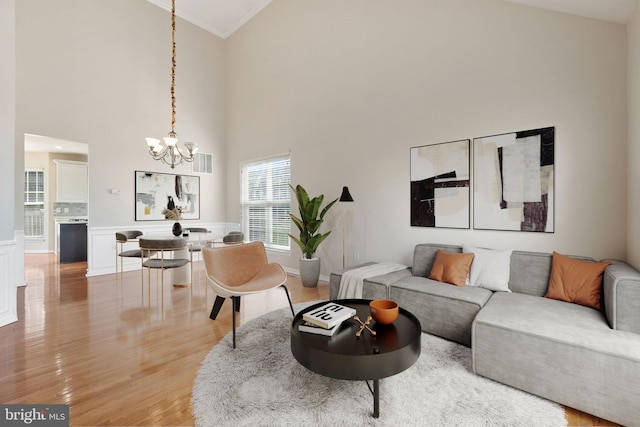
384 311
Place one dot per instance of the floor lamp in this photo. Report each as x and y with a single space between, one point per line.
344 197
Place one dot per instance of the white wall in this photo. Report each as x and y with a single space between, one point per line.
7 114
98 72
11 271
633 157
349 87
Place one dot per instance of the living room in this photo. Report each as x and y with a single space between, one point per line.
345 87
356 95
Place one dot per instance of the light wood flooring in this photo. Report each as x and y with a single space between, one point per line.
118 355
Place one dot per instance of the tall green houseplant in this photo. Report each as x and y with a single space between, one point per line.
309 222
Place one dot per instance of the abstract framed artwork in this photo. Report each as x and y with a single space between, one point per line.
513 181
440 192
155 191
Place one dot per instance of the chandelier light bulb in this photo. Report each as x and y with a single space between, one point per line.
171 142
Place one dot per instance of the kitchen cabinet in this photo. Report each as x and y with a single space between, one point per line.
72 181
73 242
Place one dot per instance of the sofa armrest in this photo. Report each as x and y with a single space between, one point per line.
335 277
383 280
621 284
388 279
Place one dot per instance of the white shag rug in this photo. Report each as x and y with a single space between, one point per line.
261 384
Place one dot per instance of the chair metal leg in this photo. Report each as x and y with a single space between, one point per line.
236 304
142 275
216 307
233 318
149 283
289 298
162 276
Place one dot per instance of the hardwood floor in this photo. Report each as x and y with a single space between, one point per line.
118 355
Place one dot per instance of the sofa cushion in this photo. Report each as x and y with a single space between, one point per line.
378 287
530 272
443 310
577 281
563 352
424 255
451 268
490 268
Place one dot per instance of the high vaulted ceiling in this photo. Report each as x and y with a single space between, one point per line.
220 17
223 17
619 11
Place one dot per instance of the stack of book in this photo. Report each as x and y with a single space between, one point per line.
326 319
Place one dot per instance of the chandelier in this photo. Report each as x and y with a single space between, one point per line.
169 152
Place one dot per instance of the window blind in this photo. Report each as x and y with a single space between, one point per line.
34 204
266 201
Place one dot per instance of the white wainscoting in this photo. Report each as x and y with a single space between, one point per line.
8 301
101 244
20 279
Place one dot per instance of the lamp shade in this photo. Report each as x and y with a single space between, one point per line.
346 196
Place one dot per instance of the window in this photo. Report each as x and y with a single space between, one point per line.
265 201
34 204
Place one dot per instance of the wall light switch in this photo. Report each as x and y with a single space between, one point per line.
66 210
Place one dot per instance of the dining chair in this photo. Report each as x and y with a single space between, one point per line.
122 238
165 248
233 237
195 246
237 270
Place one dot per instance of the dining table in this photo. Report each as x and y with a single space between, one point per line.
181 276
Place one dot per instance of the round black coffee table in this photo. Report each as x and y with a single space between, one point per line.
395 347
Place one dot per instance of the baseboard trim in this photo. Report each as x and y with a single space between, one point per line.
8 284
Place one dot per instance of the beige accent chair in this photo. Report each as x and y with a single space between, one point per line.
241 269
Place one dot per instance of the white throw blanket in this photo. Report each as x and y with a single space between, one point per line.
351 281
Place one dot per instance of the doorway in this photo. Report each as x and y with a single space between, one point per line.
45 206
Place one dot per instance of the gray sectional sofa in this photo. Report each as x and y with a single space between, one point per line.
574 355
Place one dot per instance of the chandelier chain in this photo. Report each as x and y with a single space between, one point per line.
173 67
169 152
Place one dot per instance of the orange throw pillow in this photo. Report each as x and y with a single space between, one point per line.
451 268
576 281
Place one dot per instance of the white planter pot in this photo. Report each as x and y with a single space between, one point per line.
309 272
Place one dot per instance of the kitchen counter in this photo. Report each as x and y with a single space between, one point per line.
73 242
71 239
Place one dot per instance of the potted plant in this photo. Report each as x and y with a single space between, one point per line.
311 217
